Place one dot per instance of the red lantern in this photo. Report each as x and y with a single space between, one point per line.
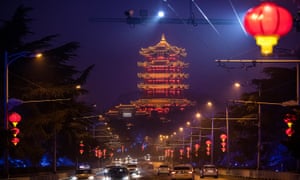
267 22
197 146
15 131
223 138
171 153
289 132
104 153
188 149
289 120
14 118
81 147
15 140
208 143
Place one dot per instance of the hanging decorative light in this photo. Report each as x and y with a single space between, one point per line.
14 118
15 140
208 144
267 23
223 138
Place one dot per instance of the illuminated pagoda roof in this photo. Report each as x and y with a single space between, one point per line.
163 47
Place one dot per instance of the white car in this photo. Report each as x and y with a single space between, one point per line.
83 174
133 169
182 171
163 169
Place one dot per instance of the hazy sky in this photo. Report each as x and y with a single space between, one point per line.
114 47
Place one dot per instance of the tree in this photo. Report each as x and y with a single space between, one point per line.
278 87
51 79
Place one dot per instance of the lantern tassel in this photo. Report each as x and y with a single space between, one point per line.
266 43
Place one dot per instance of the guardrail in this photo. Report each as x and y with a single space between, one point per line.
259 174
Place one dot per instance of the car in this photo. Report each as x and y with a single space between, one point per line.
163 169
107 168
83 174
117 172
133 169
182 171
209 170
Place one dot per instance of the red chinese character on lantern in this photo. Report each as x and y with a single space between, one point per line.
267 22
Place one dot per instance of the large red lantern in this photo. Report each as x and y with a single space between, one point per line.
14 118
267 22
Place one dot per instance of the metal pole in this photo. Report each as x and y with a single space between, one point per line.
212 141
6 153
259 130
54 149
259 137
6 90
227 132
297 88
7 61
191 144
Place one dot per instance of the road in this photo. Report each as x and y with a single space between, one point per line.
150 174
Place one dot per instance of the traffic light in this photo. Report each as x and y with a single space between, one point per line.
289 119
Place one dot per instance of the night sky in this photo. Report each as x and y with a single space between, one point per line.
114 47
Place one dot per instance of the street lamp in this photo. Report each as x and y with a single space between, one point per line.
210 104
9 59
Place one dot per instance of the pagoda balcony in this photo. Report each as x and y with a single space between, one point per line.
163 86
163 75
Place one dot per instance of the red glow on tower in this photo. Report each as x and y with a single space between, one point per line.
162 81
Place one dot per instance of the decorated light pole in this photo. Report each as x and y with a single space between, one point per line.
223 138
267 23
208 147
15 118
289 119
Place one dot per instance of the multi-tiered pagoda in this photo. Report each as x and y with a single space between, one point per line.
162 79
162 82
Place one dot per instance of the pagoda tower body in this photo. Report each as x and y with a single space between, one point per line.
162 80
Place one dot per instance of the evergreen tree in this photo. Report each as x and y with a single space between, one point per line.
51 83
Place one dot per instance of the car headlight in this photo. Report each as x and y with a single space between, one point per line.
74 178
91 177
